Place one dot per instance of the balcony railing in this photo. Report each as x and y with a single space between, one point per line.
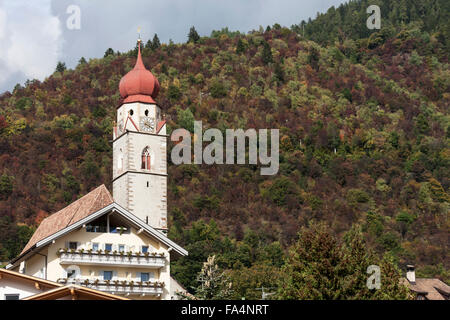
154 260
118 286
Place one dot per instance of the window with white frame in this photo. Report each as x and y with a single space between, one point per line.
107 275
145 276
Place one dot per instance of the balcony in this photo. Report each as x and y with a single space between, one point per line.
117 259
151 288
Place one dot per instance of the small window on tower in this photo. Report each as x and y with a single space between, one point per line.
146 113
147 184
145 164
131 112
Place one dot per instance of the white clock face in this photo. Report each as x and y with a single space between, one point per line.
147 124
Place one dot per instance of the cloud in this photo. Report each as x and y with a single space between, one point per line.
31 41
34 35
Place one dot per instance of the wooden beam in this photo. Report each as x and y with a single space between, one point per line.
73 294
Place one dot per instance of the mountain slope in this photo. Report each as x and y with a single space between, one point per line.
364 131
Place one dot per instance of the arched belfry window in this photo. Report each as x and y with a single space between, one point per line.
146 161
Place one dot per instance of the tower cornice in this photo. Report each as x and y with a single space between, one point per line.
139 132
139 172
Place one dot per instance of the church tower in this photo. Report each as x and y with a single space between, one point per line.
139 148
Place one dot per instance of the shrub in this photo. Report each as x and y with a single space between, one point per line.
218 89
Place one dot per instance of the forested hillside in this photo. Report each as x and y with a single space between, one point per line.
364 139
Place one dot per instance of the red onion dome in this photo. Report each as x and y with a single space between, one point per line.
139 85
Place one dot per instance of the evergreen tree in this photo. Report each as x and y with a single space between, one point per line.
353 266
392 284
278 73
61 66
240 47
266 53
109 52
313 58
82 61
319 267
193 35
149 44
155 43
6 186
310 268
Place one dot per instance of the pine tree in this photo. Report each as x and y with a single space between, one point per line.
279 73
309 271
355 260
193 35
392 286
82 61
319 267
313 58
61 66
240 47
108 52
155 43
6 186
266 53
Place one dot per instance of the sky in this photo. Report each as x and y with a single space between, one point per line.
36 34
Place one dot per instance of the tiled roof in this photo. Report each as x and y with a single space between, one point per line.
432 289
90 203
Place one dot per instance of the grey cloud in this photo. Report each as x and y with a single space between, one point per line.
114 23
